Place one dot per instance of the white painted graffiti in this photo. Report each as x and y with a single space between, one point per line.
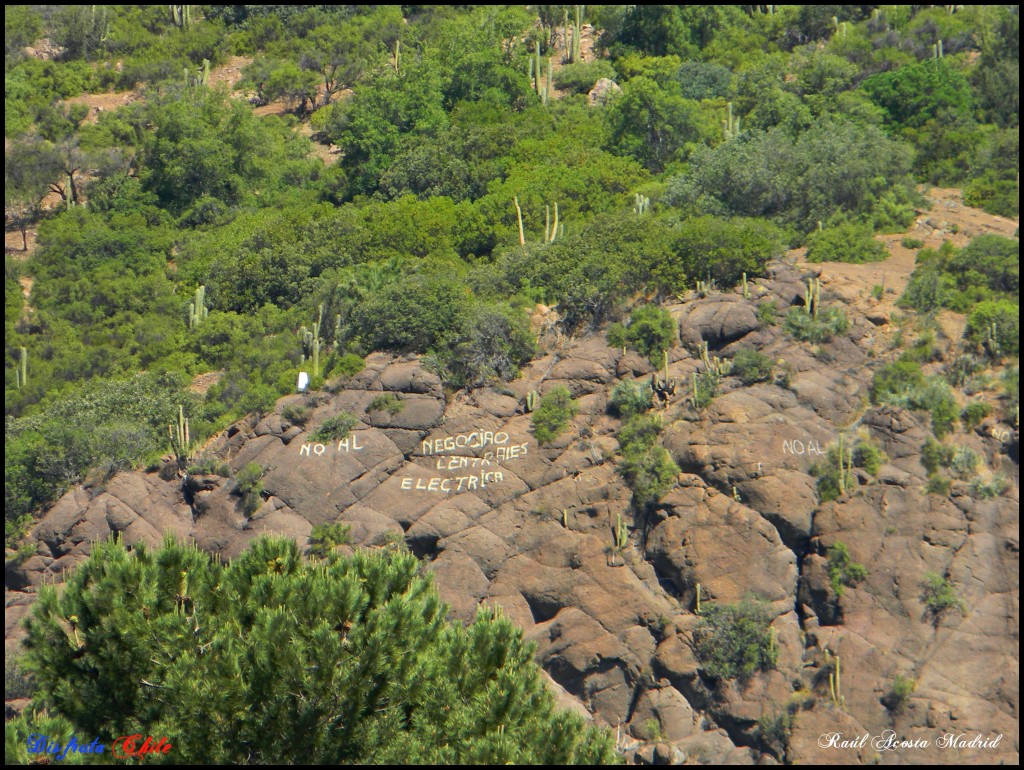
454 484
798 447
347 444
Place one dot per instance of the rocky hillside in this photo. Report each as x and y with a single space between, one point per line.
535 529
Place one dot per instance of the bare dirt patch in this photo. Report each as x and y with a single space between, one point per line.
948 219
203 382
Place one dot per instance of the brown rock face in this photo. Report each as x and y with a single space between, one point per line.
500 519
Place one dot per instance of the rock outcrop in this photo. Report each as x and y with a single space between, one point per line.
503 520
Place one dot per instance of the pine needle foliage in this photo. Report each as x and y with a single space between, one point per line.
273 659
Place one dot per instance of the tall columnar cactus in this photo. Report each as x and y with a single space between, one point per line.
641 204
812 296
746 287
621 533
519 218
731 125
845 465
24 368
197 310
532 399
834 681
180 440
181 16
311 343
697 608
537 69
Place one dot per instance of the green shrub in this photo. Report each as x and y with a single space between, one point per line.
995 327
348 365
960 369
735 640
631 397
704 389
807 327
556 410
939 594
869 456
647 467
494 342
845 242
935 455
899 694
249 481
986 489
912 243
902 383
938 485
878 291
296 414
651 331
334 428
752 366
386 402
325 537
842 570
974 413
767 314
773 730
580 77
208 465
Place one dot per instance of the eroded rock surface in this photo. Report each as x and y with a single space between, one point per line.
505 521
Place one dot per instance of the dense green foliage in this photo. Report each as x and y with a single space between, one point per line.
556 410
752 366
843 571
744 129
646 465
273 660
735 640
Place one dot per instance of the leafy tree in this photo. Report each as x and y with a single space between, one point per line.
494 343
271 660
652 123
29 168
771 174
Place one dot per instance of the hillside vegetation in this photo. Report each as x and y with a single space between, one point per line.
188 233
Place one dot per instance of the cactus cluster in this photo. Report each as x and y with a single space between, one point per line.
199 78
714 365
812 296
641 204
180 440
532 400
181 16
311 343
197 310
834 685
572 36
544 92
731 125
706 288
